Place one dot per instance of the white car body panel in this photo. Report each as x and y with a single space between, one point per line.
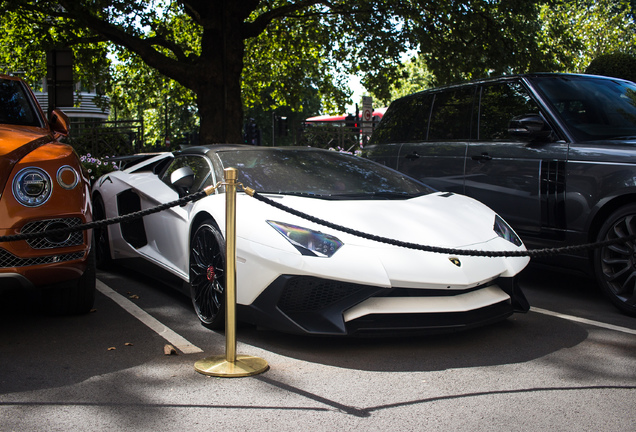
459 303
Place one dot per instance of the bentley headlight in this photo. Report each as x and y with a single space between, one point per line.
32 187
504 231
308 242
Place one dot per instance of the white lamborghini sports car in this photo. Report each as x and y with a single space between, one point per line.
298 276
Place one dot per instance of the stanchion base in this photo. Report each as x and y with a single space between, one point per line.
244 365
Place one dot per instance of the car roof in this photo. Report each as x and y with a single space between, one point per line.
508 78
9 77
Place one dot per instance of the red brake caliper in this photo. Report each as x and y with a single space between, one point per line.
210 273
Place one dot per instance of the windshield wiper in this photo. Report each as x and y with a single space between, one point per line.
381 195
626 137
294 193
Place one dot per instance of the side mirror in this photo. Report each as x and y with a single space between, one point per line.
59 122
182 179
529 127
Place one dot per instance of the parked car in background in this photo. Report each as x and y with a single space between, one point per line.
553 154
295 275
42 188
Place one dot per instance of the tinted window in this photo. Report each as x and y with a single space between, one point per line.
198 164
15 105
321 173
499 104
421 112
405 120
593 108
451 116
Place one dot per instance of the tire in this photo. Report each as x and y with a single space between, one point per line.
615 266
207 275
102 245
74 297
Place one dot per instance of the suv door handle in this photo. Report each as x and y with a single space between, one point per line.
412 156
482 157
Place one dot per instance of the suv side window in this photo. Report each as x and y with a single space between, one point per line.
422 111
499 104
406 121
451 116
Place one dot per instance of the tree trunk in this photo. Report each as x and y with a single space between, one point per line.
218 80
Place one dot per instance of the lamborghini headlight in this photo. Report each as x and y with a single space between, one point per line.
504 231
32 187
306 241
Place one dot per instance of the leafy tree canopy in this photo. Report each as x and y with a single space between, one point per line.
201 44
576 32
565 36
221 57
618 65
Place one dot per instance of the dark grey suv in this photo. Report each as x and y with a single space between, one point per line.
554 154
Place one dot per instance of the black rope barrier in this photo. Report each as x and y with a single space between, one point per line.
532 253
119 219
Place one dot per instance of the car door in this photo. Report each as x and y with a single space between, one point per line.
168 231
436 150
523 181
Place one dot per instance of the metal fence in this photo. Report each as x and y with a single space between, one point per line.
106 138
337 134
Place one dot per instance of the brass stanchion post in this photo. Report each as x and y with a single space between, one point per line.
230 365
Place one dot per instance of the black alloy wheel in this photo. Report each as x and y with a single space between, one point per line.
207 275
615 265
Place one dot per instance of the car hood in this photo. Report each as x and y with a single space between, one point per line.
15 143
437 219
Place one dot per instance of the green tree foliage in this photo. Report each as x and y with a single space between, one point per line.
617 65
221 57
139 92
576 32
496 38
477 38
415 77
26 37
202 44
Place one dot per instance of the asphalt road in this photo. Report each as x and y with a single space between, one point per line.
567 365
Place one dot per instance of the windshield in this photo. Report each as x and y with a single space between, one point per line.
592 108
324 174
15 105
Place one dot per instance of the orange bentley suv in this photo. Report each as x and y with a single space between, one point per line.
42 187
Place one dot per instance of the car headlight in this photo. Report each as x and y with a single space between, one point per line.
504 231
308 242
32 187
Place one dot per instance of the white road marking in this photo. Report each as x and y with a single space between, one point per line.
584 321
175 339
